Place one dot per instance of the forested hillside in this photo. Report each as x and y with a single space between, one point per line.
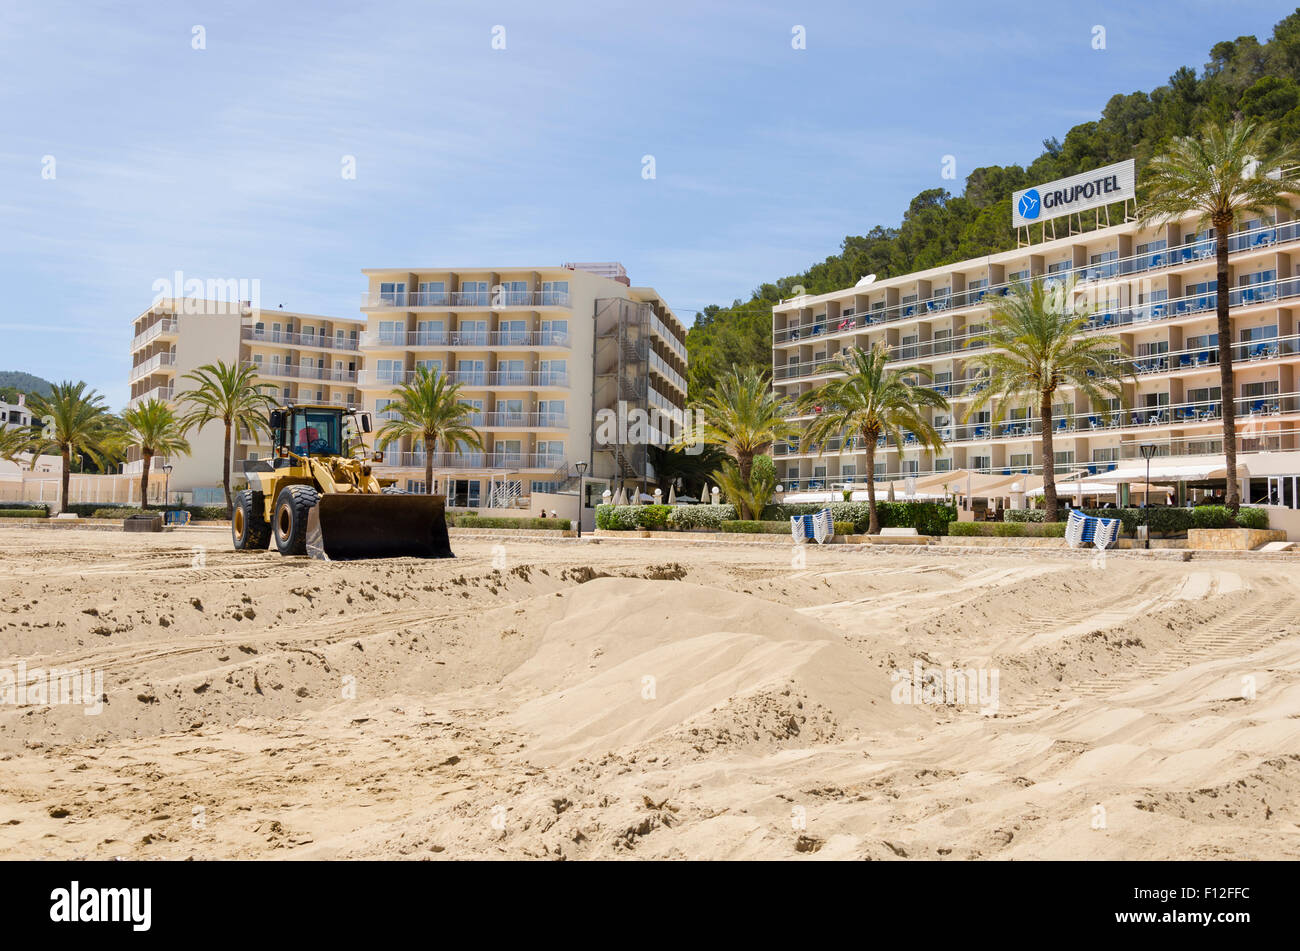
1242 76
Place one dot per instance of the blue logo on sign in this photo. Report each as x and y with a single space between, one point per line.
1030 204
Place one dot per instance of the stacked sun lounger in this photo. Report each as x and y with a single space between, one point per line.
819 526
1081 530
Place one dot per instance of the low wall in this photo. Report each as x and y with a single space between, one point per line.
1232 539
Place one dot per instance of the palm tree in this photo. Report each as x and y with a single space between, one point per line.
74 421
232 396
872 401
152 427
742 414
431 412
1227 173
1036 348
17 440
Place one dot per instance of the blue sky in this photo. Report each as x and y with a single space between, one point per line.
226 162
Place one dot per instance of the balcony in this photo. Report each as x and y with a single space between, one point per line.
478 339
473 379
1253 240
661 330
167 327
289 371
509 461
164 393
155 363
293 339
463 300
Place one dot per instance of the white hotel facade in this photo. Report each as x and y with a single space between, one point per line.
1153 288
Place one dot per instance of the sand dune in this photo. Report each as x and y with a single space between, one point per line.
636 700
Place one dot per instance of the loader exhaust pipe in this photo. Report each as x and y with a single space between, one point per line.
344 526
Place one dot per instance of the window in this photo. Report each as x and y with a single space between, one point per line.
513 294
555 293
313 433
415 486
1262 388
1060 266
474 293
849 471
943 465
1021 460
432 293
555 331
548 487
981 462
433 366
430 333
1064 457
553 371
464 493
511 373
388 371
392 292
1110 454
471 333
551 412
392 331
552 449
513 331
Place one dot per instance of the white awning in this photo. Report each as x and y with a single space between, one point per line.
1164 470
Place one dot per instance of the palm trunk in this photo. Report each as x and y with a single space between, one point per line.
873 522
428 466
225 474
67 478
745 463
1227 393
1049 459
144 478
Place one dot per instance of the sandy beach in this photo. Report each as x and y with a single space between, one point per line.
565 700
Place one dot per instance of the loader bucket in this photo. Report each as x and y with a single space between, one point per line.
343 526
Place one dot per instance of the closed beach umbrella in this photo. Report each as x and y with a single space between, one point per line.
891 490
672 495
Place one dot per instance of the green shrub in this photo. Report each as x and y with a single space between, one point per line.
1024 515
751 527
509 522
842 528
616 518
30 509
685 517
21 513
1211 516
653 517
1252 518
198 513
1008 529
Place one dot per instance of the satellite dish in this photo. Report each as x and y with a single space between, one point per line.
869 279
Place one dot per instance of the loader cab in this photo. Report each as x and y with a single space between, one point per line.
308 432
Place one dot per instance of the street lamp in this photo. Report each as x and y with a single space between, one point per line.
1148 450
167 484
582 471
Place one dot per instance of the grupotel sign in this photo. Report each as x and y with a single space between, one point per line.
1081 192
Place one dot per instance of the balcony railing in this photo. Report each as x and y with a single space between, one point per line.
1250 410
661 329
164 393
453 300
152 365
511 461
481 339
471 378
296 371
1251 240
168 325
295 339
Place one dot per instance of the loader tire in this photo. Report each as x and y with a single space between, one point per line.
290 525
249 527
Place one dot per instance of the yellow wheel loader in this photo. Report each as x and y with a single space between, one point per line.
317 496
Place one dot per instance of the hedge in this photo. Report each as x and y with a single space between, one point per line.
686 517
482 521
199 513
1007 529
751 527
28 509
1024 515
928 518
1169 520
21 513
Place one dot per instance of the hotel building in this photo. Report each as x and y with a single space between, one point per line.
539 352
306 357
1153 288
